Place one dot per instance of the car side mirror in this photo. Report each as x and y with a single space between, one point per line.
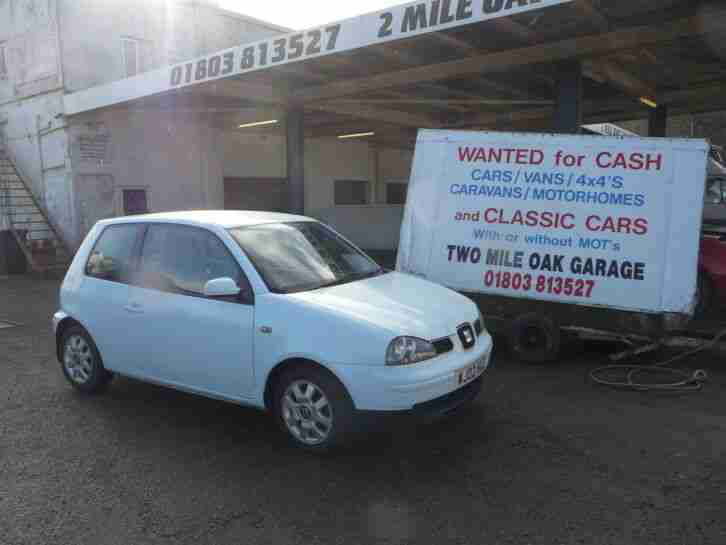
221 287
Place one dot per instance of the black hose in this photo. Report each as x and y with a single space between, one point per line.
628 376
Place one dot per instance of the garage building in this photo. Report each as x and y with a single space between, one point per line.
128 107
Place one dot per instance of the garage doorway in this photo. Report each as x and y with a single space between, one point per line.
268 194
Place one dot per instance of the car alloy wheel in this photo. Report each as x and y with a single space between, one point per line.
307 413
78 359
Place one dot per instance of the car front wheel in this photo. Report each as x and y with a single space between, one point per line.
313 408
81 362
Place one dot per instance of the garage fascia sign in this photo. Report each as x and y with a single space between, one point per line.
398 22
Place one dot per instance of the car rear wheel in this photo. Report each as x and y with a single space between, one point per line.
313 408
81 362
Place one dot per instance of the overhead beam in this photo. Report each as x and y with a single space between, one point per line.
456 43
592 45
591 110
693 94
385 115
605 71
512 27
599 70
442 102
257 92
590 12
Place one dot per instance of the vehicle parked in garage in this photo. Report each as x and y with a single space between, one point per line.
711 270
270 310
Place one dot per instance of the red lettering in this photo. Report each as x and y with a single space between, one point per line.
604 155
487 216
532 218
466 154
640 226
589 224
656 162
546 220
568 221
624 225
636 161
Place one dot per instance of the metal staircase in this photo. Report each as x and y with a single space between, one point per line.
30 225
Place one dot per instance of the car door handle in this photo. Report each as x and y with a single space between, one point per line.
134 308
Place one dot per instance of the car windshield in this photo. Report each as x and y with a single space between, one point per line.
302 256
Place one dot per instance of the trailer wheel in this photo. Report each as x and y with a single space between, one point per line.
534 339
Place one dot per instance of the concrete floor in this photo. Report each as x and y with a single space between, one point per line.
544 457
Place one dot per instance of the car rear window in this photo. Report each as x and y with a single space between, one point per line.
112 256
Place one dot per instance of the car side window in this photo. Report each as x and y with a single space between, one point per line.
112 257
180 259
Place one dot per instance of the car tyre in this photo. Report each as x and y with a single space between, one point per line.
81 362
534 339
313 408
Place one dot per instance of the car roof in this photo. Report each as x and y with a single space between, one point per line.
222 218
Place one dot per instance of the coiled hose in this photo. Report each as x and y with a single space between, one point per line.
657 376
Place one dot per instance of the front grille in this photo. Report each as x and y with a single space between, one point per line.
442 346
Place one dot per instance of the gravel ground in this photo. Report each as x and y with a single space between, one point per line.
543 457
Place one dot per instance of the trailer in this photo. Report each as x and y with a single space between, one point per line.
558 235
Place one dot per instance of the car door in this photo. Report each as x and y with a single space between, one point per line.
104 294
195 342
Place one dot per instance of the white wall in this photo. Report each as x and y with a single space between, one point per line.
28 32
36 139
255 154
375 226
261 154
176 158
327 160
171 31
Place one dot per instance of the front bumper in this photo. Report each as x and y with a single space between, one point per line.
418 387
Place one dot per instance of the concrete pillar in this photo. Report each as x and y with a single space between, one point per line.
296 161
657 119
568 100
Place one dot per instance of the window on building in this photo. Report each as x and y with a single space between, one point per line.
136 56
396 193
112 256
135 202
130 51
351 192
3 62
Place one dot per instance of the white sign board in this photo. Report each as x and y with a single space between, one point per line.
398 22
585 219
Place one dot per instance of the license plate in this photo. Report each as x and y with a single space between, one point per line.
470 372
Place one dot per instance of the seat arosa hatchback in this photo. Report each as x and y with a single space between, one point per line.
270 310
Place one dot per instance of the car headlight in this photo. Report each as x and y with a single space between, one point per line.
408 350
